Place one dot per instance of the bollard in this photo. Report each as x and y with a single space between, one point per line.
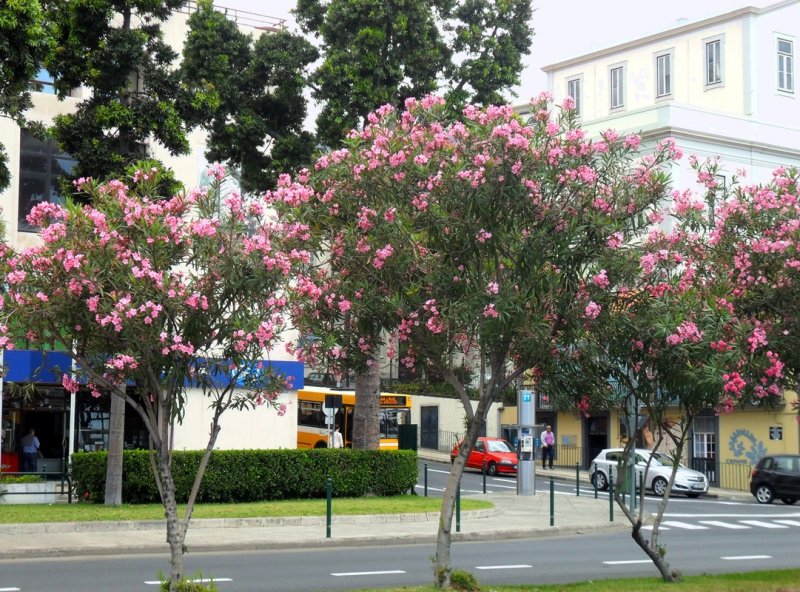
484 476
552 503
577 479
611 495
458 507
329 494
594 482
425 474
641 489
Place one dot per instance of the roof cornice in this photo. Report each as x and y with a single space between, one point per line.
721 18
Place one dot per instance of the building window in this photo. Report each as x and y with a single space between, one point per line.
714 62
664 75
41 164
617 87
785 65
574 91
44 82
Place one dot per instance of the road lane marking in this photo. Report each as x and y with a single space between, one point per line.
194 581
628 561
650 527
763 524
518 566
745 557
730 525
739 515
343 574
10 589
438 471
789 522
429 488
684 525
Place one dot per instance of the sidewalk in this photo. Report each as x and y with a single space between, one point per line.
511 517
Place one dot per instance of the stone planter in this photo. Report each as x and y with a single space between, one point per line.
28 493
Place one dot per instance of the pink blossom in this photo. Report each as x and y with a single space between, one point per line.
492 288
593 310
601 279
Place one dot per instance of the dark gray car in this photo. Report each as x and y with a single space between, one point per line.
776 475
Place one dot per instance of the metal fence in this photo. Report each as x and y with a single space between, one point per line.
63 484
735 475
568 456
445 441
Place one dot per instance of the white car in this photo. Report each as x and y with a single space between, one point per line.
687 481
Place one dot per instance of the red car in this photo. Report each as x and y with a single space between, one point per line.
499 455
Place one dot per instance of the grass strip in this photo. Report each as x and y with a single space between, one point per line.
83 512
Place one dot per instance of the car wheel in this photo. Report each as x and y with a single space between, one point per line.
491 469
659 486
600 480
789 501
764 494
320 444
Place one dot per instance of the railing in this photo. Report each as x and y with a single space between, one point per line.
707 466
567 456
62 478
446 441
735 475
242 17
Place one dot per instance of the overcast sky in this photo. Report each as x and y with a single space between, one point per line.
568 28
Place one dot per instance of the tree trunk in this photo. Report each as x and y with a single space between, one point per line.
366 415
656 555
176 533
116 441
442 563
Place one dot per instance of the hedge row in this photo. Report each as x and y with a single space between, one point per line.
253 475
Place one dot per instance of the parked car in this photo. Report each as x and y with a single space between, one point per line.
687 481
499 455
776 475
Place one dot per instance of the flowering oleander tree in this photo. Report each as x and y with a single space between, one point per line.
467 239
755 240
152 297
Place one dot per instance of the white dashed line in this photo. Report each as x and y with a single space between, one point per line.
518 566
730 525
195 581
745 557
345 574
684 525
763 524
628 562
789 522
10 589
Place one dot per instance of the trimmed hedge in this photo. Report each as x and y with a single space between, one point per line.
234 476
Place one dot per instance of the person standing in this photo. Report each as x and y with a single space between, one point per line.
548 439
337 441
30 452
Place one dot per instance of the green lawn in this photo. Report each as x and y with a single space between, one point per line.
760 581
83 512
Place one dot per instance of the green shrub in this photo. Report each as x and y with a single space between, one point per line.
235 476
463 581
9 479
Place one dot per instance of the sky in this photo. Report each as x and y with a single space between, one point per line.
568 28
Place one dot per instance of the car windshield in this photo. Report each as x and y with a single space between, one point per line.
659 458
499 446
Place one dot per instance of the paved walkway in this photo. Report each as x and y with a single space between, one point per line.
512 516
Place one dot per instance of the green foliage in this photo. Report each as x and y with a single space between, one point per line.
116 50
248 95
25 40
383 51
12 479
253 475
192 584
463 581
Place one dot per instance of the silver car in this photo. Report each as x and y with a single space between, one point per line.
687 481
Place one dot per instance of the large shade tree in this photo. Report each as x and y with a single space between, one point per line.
381 51
468 239
25 40
156 300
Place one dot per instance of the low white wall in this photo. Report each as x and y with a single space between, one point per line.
248 429
451 414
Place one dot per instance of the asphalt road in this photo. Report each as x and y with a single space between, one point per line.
548 560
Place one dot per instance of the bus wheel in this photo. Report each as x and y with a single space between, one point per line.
320 444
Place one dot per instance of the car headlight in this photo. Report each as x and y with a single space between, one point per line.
505 461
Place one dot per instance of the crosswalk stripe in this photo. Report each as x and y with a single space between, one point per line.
789 522
685 525
763 524
730 525
650 527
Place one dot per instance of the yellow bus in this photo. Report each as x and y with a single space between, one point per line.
314 428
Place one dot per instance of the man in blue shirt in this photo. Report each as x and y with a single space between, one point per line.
30 451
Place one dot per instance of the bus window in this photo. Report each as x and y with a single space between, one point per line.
390 419
309 413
